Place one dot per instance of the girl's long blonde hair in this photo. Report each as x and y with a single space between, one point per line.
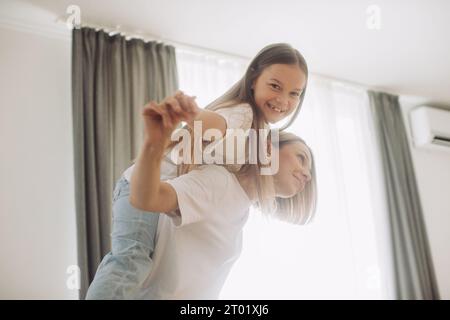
242 92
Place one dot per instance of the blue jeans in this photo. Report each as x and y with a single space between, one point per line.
122 271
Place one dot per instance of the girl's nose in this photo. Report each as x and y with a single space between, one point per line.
281 100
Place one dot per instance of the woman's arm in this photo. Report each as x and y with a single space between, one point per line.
147 191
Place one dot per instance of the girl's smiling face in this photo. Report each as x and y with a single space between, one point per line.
277 90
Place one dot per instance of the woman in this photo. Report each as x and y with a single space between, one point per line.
196 247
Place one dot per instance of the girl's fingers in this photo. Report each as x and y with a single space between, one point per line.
175 112
174 104
178 94
193 106
183 103
164 115
149 110
180 108
169 112
156 109
175 117
167 118
179 97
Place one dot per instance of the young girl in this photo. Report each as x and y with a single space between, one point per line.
272 88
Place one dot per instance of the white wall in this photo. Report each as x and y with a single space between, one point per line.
433 178
37 205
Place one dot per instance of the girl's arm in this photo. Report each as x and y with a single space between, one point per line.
147 191
210 119
239 116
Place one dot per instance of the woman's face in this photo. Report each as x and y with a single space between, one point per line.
294 170
277 90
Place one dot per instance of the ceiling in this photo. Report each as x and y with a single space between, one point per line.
408 55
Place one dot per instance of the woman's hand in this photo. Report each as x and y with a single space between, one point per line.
160 120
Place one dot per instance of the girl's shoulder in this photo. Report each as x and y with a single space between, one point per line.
237 115
244 107
233 104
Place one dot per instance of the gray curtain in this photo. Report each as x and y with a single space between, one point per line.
414 272
112 79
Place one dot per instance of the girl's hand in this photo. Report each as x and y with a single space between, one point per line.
187 102
161 119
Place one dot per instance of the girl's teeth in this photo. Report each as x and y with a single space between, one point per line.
275 108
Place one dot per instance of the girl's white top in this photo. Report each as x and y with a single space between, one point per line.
195 250
239 116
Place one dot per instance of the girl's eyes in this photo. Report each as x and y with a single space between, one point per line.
278 87
275 86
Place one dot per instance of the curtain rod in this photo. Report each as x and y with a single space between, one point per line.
193 48
151 37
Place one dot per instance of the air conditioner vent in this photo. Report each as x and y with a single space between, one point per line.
430 128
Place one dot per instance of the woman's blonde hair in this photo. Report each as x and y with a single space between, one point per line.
242 92
301 208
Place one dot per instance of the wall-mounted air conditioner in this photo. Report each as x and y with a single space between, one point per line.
430 128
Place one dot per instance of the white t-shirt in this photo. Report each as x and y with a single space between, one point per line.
239 116
195 251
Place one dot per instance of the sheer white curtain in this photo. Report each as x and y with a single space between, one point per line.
207 76
344 253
